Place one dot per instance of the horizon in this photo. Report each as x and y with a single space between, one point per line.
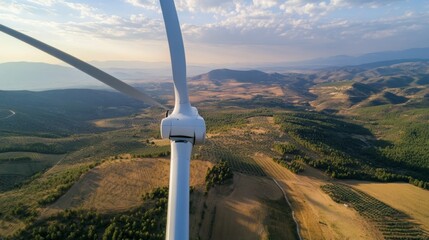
215 32
129 64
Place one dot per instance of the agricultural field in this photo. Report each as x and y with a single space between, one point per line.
316 214
117 185
401 196
255 137
244 210
215 152
392 223
258 135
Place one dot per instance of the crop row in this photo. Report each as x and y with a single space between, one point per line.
239 162
391 222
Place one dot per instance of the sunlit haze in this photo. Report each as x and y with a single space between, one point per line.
238 31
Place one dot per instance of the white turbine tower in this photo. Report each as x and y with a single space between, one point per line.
184 126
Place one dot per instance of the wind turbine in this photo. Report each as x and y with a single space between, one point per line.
184 126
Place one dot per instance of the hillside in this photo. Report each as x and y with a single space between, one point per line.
251 76
333 89
75 162
67 111
262 88
371 84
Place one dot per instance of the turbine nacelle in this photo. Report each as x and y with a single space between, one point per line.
184 126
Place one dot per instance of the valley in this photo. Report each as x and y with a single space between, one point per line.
72 156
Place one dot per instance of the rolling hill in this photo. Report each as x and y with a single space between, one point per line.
79 157
62 111
372 84
389 82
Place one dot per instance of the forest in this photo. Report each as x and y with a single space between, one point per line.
345 155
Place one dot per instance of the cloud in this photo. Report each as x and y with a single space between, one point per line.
45 3
11 7
255 22
147 4
213 6
84 10
300 24
265 3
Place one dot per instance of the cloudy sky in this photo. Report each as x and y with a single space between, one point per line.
215 31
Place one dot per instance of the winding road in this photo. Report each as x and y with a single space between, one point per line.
12 113
290 206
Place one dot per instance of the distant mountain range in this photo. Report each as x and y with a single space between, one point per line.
43 76
404 83
40 76
334 88
344 60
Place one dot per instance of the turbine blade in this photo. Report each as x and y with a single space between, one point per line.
84 67
178 196
177 52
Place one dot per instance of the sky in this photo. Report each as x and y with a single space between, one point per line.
215 31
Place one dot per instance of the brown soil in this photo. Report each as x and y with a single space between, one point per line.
119 185
238 211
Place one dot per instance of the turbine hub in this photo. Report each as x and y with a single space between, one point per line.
184 126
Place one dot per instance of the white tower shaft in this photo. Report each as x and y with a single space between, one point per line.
178 196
